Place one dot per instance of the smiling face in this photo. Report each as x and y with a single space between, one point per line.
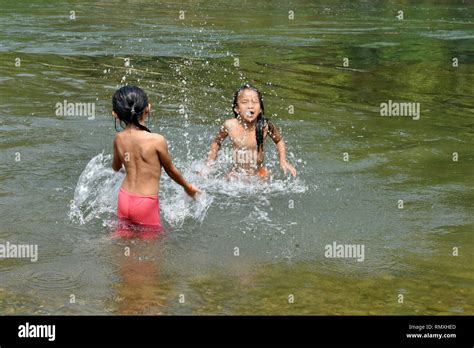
248 105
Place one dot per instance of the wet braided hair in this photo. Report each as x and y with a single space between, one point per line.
129 103
260 123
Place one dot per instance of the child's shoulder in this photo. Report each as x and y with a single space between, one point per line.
155 136
158 138
230 122
272 130
269 125
118 136
144 136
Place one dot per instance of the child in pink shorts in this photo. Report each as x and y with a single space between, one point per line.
143 154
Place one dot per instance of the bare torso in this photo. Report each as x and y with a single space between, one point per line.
246 156
138 152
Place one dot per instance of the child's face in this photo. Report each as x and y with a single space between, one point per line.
248 105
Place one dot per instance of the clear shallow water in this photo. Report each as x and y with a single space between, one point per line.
61 194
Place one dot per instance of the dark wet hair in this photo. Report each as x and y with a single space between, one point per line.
129 103
260 118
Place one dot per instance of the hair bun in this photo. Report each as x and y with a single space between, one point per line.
133 113
129 102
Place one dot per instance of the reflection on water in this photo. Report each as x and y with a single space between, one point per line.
140 289
242 247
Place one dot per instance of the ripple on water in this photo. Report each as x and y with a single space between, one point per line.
449 34
52 280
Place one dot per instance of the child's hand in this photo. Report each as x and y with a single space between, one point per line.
285 166
191 190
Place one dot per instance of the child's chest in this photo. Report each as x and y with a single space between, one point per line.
244 138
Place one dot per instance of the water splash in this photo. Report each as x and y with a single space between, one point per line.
214 182
178 206
96 192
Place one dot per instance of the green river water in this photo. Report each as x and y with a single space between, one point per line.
324 68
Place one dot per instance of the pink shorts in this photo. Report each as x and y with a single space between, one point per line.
138 210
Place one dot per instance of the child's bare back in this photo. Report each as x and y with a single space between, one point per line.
142 153
139 152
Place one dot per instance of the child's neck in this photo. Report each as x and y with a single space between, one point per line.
245 124
131 126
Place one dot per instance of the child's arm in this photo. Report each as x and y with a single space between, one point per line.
116 162
216 145
285 166
171 170
280 144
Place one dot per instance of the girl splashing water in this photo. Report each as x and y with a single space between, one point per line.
248 131
142 153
